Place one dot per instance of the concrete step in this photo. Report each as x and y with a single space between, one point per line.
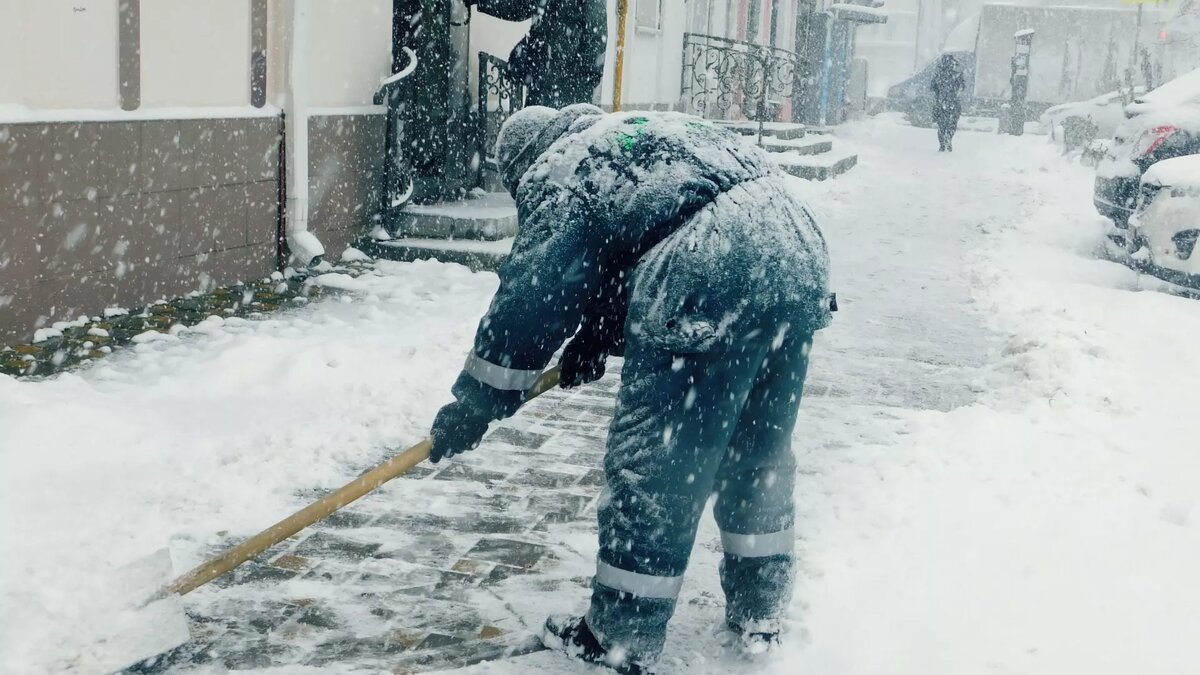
784 131
487 216
817 167
473 253
809 145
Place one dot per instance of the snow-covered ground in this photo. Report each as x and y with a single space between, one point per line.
998 459
212 431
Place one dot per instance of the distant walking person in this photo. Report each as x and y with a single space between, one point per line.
947 86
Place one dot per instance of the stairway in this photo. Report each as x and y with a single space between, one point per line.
476 232
799 150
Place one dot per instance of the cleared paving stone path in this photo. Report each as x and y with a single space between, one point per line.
405 580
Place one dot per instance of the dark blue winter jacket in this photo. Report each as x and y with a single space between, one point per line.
695 228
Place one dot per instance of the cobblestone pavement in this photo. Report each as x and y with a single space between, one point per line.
413 577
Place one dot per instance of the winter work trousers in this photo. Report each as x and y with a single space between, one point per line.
688 426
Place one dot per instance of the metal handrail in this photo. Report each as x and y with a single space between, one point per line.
510 97
740 69
687 37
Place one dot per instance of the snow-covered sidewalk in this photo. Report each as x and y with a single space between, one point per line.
209 436
998 464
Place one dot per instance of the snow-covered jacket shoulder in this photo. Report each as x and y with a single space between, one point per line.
639 173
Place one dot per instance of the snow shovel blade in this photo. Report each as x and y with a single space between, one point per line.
129 621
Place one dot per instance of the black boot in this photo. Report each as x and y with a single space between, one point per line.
571 636
758 639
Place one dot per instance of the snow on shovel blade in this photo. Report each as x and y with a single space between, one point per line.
125 629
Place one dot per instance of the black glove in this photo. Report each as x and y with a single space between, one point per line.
601 332
580 364
456 429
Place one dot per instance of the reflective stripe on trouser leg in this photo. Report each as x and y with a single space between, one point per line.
639 585
759 545
499 377
658 485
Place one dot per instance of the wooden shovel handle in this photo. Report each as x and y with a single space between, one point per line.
322 508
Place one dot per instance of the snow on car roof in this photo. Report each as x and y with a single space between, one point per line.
1186 117
1101 100
1183 89
1174 172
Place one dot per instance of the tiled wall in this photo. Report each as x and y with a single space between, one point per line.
101 214
122 213
345 161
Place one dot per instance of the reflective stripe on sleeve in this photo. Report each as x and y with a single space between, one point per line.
759 545
641 585
499 377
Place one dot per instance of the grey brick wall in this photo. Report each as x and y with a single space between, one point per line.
95 214
345 161
99 214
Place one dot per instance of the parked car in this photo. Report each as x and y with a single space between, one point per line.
1078 123
1165 226
1160 125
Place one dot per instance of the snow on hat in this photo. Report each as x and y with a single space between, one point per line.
529 133
519 132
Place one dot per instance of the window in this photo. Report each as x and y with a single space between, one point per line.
648 15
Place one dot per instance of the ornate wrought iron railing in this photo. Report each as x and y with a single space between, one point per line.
499 97
731 79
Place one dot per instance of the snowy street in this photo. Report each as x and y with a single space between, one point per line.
997 451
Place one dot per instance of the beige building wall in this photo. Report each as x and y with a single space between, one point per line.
11 77
663 46
195 53
349 51
59 53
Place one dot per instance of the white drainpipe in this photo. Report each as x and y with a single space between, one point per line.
305 247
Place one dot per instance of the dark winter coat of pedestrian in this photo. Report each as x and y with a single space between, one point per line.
684 245
948 84
561 60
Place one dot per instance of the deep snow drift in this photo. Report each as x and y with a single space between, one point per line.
997 454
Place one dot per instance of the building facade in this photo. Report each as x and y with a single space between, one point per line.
141 143
151 148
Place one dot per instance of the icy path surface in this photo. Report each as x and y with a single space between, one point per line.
997 452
